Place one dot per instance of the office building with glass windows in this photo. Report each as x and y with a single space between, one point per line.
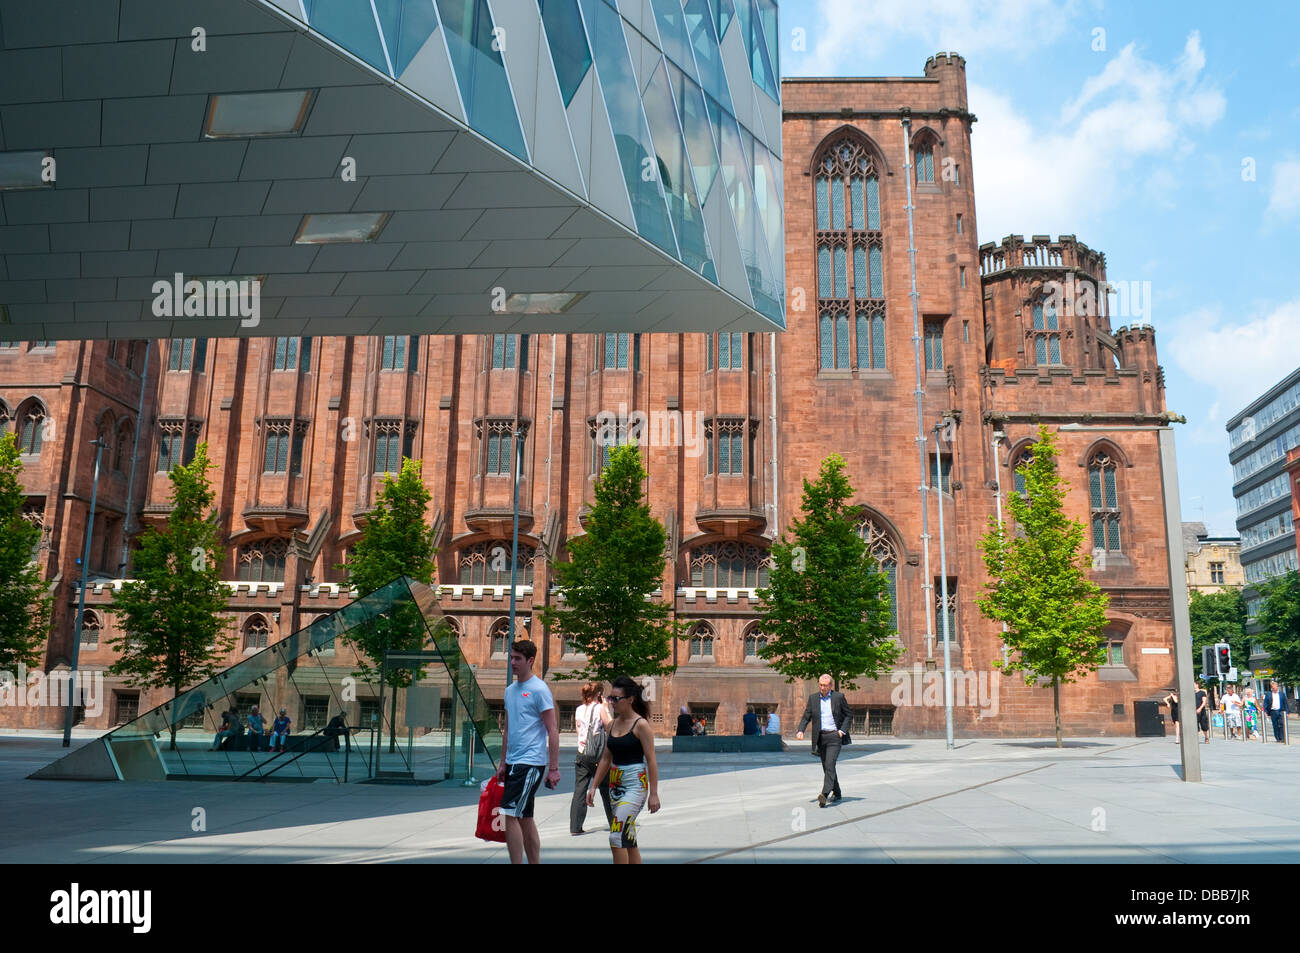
1259 440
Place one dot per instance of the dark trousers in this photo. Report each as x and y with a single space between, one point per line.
584 770
830 750
1279 730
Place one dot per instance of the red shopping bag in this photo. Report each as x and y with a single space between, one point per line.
491 825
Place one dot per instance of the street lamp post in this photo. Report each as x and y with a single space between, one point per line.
943 583
99 446
514 551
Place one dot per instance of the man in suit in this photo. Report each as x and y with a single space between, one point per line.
831 717
1275 705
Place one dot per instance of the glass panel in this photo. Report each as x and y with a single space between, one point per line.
1098 533
1054 341
1110 486
837 201
864 341
1040 349
407 24
877 272
1038 317
568 42
841 272
349 24
878 340
823 202
824 271
724 350
873 202
842 341
481 74
708 57
304 364
827 340
281 350
611 351
856 201
387 361
622 351
1112 535
510 350
1050 311
724 13
672 33
724 453
767 192
761 64
494 451
631 133
1094 486
699 139
498 351
737 350
675 169
859 271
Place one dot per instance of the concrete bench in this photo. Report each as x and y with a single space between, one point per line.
727 743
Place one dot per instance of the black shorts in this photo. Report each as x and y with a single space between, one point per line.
1203 719
522 782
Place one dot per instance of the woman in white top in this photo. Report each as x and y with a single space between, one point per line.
590 720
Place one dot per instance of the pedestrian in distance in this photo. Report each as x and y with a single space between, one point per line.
1232 711
591 721
531 742
773 723
1250 714
256 728
830 713
230 726
749 723
685 723
629 762
280 731
1203 709
1276 706
1172 701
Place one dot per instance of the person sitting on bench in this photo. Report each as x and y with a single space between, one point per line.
338 726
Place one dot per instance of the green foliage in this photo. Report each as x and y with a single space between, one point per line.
1219 617
170 613
826 609
610 572
396 541
1279 618
1055 615
24 596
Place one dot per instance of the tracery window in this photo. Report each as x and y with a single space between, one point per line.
263 561
488 564
1105 503
728 565
850 257
754 641
257 634
498 434
31 428
702 642
881 548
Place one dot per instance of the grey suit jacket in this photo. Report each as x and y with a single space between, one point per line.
813 713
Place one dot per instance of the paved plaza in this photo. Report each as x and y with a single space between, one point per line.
1100 800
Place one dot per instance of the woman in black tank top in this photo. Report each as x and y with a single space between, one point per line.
629 760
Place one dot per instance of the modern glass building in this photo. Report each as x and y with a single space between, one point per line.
389 166
419 717
1258 440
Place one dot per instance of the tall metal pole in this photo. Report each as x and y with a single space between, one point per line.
81 599
943 588
514 551
927 584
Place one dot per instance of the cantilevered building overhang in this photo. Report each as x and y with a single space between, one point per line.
388 166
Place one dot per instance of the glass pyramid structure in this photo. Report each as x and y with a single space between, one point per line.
663 114
419 716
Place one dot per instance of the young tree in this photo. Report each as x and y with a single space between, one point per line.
1280 620
611 570
1055 614
24 596
826 609
397 541
173 631
1218 617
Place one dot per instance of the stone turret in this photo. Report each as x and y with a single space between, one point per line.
950 70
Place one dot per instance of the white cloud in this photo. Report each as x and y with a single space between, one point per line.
1236 362
1284 197
852 33
1130 125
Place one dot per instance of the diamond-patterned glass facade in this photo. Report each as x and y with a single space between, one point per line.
671 91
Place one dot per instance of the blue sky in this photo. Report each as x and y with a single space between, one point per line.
1145 150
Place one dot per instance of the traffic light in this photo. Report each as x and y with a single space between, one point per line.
1209 662
1223 653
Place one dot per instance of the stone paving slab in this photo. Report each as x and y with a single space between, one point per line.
1015 802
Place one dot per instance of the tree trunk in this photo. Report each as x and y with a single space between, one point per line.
1056 707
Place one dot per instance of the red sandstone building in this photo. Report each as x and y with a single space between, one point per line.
302 430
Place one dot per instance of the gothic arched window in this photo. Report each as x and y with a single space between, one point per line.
257 633
1022 461
1104 498
31 428
850 257
754 640
1047 339
881 548
702 642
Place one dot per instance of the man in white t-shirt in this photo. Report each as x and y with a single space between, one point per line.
531 744
1232 710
